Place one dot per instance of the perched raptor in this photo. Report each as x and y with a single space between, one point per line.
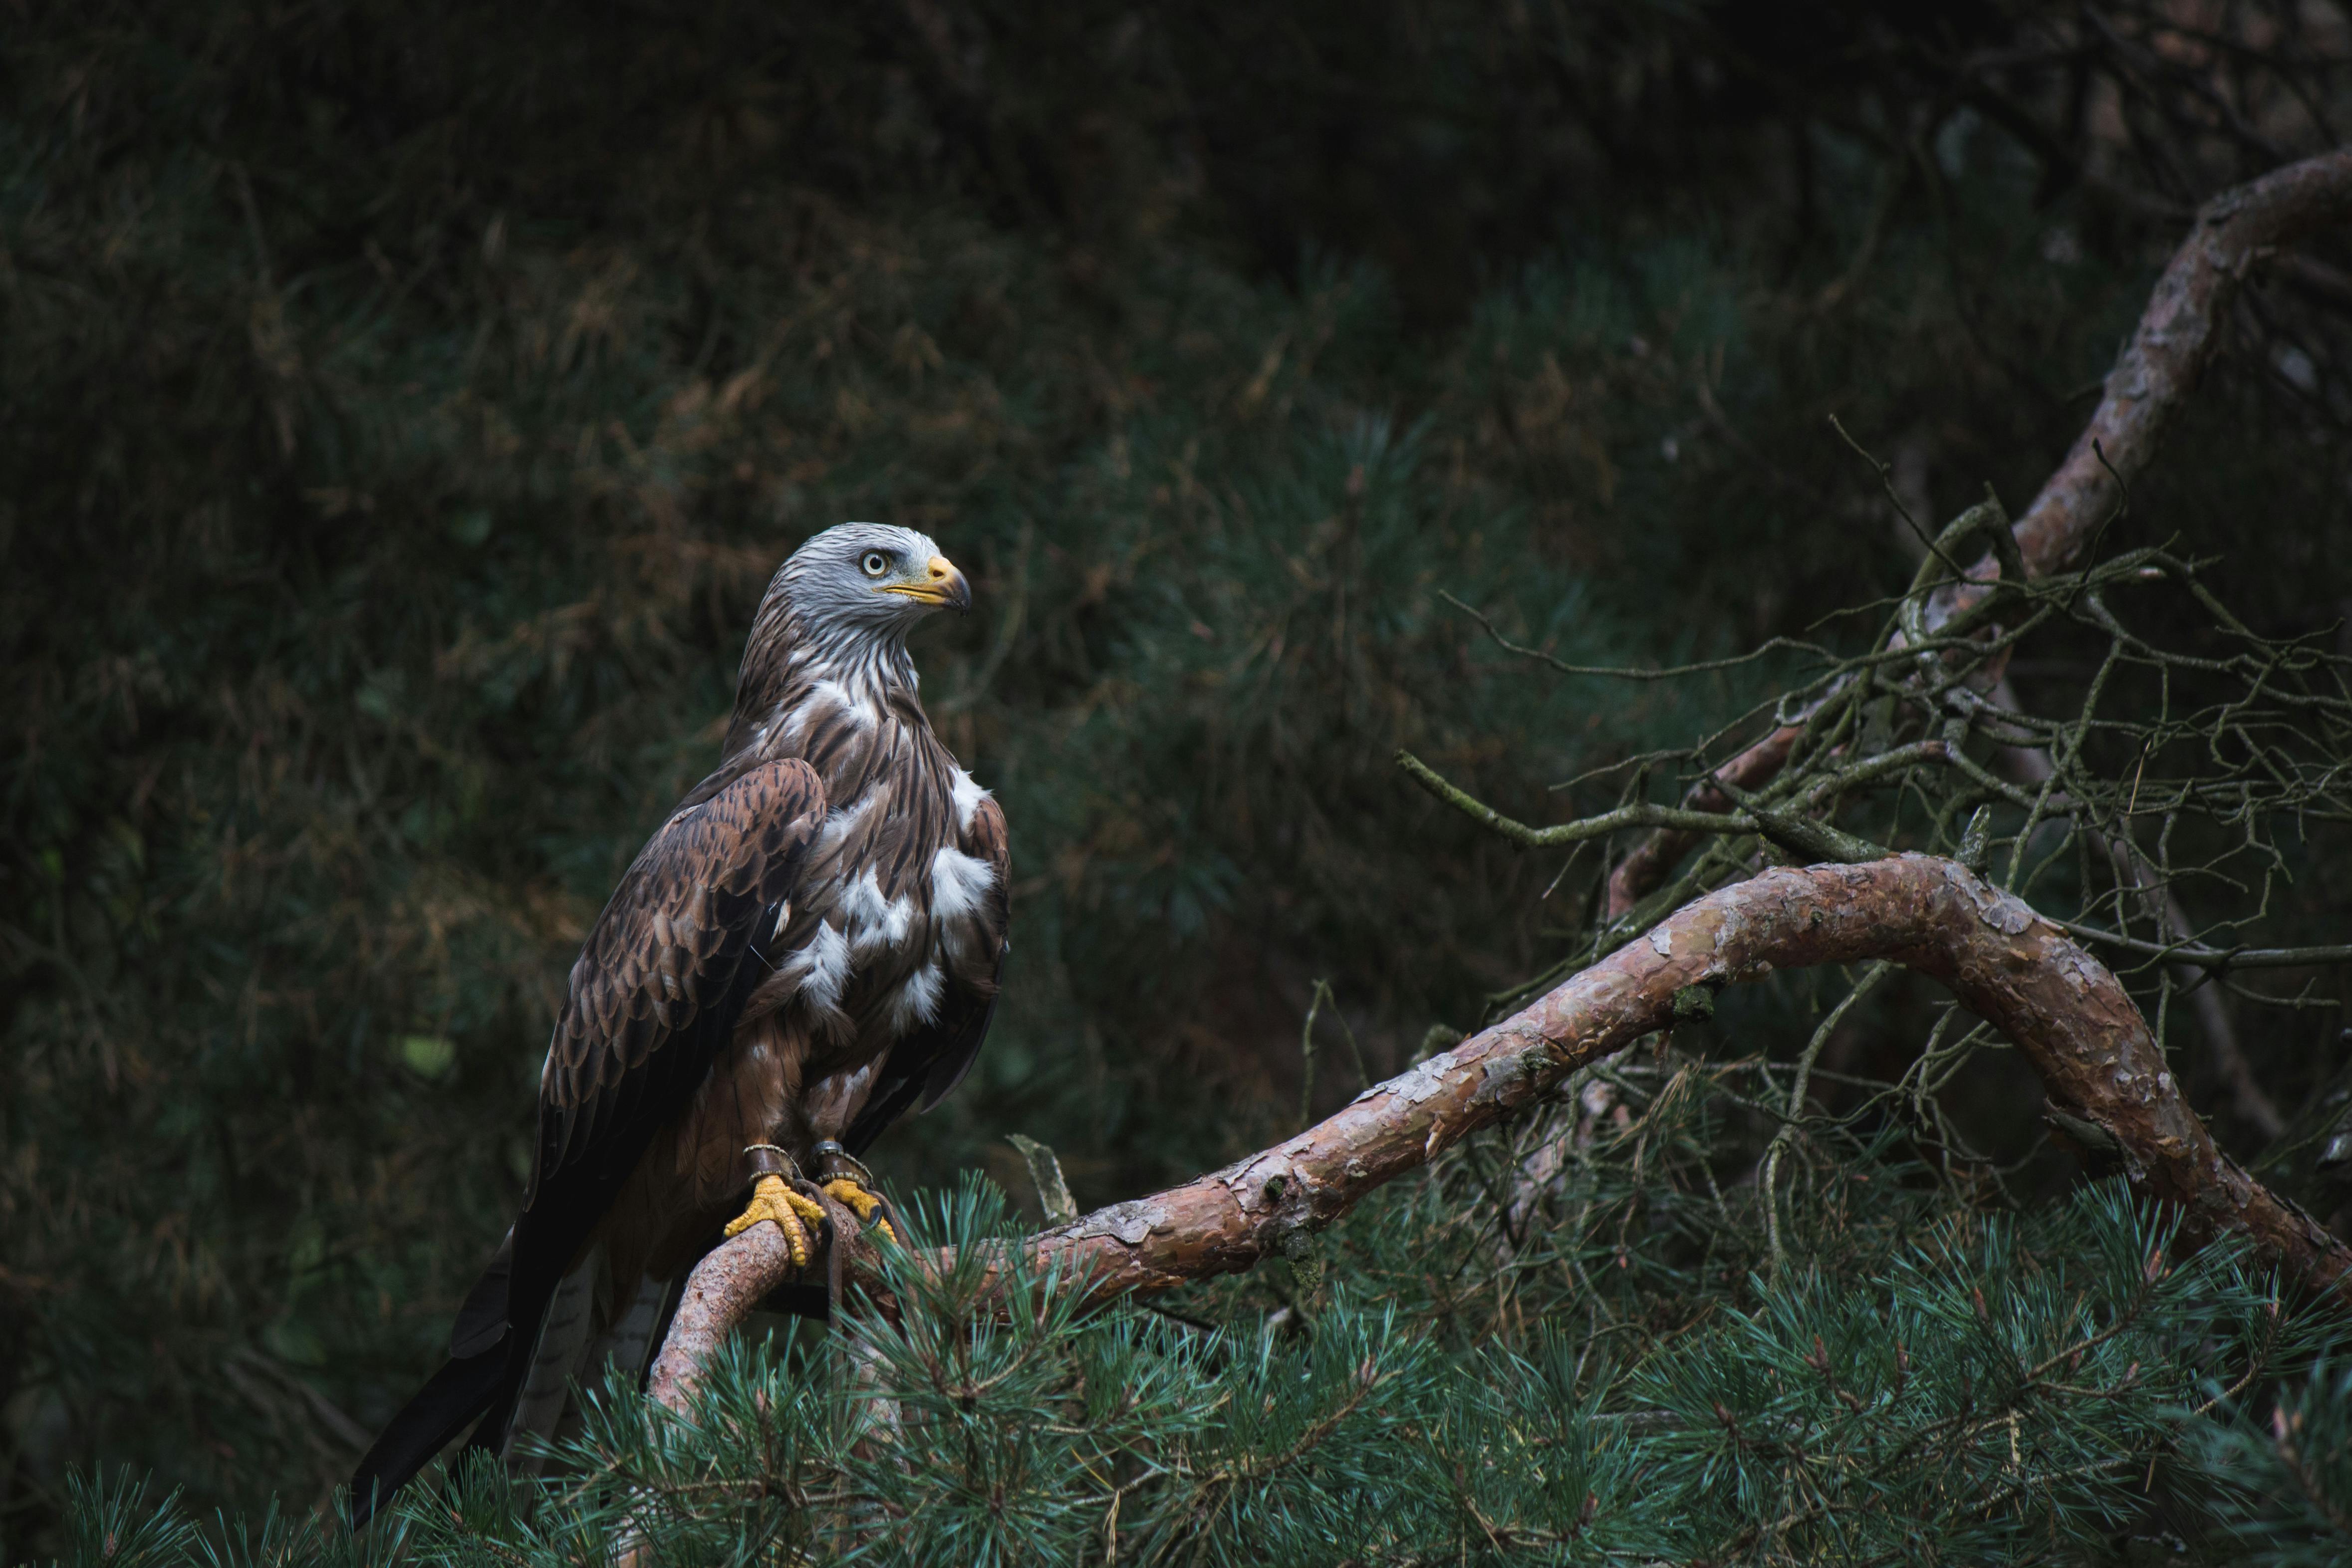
807 949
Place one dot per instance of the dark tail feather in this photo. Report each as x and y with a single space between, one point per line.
463 1389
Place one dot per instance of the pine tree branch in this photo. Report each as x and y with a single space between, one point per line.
2179 334
2100 1069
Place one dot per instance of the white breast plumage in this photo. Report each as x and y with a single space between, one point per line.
959 883
917 1001
968 797
872 922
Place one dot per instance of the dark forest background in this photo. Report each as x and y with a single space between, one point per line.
403 407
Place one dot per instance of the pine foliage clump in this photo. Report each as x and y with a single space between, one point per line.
1936 1383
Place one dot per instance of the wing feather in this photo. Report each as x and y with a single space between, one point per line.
657 989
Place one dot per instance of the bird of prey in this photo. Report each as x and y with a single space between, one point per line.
808 948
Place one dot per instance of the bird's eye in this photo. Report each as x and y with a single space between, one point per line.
876 563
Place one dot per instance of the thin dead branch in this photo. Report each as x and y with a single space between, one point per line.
2033 767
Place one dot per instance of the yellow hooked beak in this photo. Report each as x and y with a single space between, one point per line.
941 584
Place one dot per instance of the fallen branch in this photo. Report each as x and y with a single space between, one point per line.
2103 1075
2179 334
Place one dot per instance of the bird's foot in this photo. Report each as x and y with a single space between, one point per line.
847 1181
797 1215
863 1204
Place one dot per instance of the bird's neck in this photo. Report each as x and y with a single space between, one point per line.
828 700
872 666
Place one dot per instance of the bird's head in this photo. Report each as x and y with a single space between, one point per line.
872 576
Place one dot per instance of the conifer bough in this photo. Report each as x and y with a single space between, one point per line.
2104 1077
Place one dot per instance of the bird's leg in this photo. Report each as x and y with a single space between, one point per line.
774 1197
849 1183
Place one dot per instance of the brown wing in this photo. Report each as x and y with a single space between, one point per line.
662 978
654 998
925 1065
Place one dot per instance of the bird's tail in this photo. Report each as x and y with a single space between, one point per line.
510 1394
545 1394
477 1376
462 1390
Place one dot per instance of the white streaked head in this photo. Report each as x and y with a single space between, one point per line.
869 579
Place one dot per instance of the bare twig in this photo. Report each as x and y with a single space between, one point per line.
1641 871
2212 1012
1791 830
2196 955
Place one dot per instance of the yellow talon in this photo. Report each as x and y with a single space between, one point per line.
795 1215
852 1196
